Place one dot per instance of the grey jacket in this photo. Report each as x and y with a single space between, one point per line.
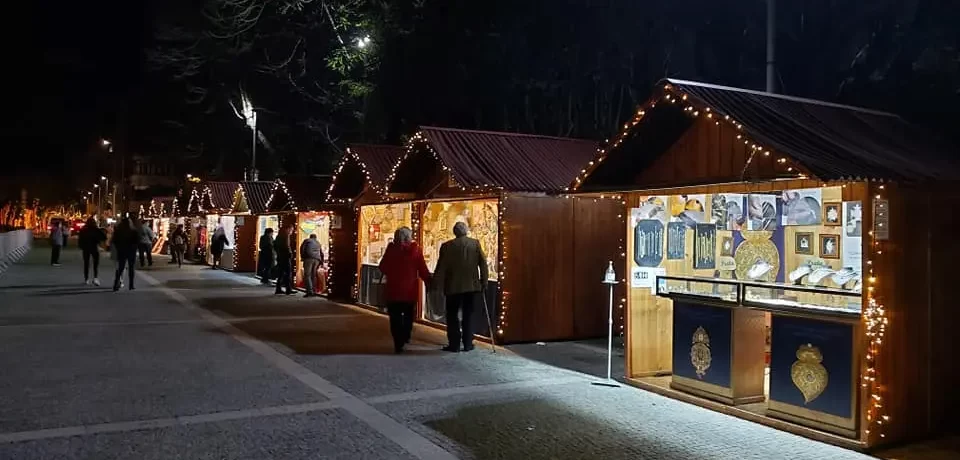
461 267
146 235
310 249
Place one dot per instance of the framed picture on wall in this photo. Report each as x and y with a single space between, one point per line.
831 213
726 246
830 246
804 243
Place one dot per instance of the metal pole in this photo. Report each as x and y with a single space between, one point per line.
610 338
253 160
486 309
771 45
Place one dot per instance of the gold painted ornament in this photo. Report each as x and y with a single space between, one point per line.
757 246
808 375
700 355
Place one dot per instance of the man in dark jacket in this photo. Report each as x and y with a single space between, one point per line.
90 238
125 239
265 260
284 252
462 272
312 257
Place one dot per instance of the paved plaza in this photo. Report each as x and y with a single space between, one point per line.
205 364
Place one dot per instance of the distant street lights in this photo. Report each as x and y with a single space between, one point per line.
363 42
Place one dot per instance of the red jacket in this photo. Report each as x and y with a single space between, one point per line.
403 265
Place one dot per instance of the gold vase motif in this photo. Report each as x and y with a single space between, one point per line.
700 355
757 245
808 375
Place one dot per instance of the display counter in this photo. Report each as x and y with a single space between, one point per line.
718 345
719 339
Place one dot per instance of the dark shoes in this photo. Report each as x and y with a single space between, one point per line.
451 349
466 349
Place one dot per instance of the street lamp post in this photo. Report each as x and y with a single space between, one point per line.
249 115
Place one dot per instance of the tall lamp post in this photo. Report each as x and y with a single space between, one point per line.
249 116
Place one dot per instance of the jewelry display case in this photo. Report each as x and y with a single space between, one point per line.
717 290
802 299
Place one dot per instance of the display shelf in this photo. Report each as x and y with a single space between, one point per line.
782 297
716 290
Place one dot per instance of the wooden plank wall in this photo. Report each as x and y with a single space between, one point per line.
555 253
917 367
707 154
343 255
246 247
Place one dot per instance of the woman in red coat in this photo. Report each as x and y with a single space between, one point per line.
404 267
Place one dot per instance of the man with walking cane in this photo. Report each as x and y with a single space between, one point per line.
462 273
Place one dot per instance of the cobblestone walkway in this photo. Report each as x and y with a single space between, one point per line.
204 364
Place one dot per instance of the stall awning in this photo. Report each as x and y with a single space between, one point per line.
831 141
509 161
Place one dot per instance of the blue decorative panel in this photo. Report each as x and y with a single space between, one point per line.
676 240
648 243
811 364
702 342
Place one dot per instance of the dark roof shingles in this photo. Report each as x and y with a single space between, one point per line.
221 194
377 159
514 162
257 194
832 141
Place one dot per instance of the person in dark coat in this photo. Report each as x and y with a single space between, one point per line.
284 252
125 239
404 267
56 243
90 238
265 259
217 245
462 273
178 244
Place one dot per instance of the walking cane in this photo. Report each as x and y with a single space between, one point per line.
486 309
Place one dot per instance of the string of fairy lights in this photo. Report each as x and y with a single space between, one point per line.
504 294
874 317
350 156
420 143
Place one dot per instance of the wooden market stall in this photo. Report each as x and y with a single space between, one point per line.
754 222
544 282
300 201
217 200
160 215
188 211
248 204
358 180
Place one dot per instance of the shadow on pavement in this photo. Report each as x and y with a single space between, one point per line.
205 284
70 292
586 356
545 430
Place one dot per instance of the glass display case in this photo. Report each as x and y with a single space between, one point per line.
775 296
692 286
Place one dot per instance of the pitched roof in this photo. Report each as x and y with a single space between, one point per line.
510 161
377 160
257 193
299 193
220 194
832 141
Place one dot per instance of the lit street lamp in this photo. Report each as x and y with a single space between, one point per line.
249 115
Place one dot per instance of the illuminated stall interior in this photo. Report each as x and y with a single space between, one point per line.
758 230
187 211
217 199
160 212
301 201
507 188
248 203
358 180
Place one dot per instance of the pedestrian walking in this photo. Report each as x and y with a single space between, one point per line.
312 257
282 247
145 244
124 242
266 258
89 239
56 243
462 274
403 266
178 244
217 245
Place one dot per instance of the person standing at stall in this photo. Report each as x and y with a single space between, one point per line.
56 243
462 273
284 252
125 239
404 267
265 259
89 239
217 245
145 244
178 244
312 257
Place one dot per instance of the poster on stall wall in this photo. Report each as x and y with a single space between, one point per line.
646 277
653 207
851 246
727 210
802 207
689 209
761 212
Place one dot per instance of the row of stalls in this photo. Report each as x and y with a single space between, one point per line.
786 261
783 260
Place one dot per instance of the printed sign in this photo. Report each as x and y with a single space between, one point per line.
645 277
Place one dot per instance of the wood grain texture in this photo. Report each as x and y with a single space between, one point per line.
343 255
246 244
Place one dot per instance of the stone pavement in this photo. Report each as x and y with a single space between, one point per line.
205 364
